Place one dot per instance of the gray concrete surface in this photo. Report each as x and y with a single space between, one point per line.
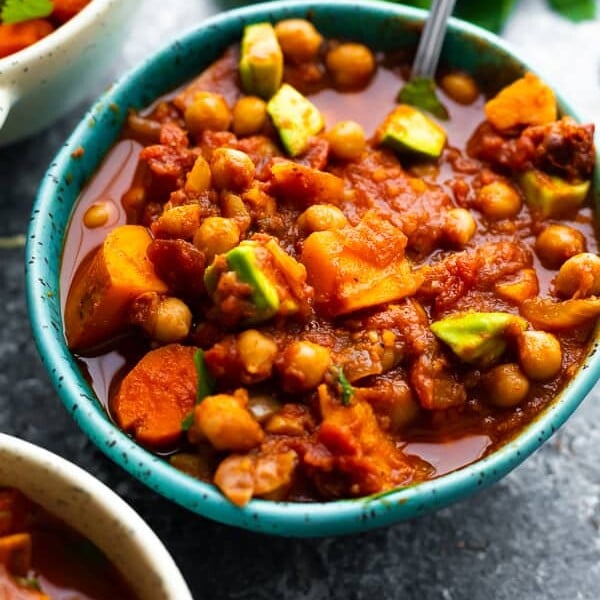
533 536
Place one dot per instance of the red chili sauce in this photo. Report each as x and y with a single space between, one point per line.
41 558
322 400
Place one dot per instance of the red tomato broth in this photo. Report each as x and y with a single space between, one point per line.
63 562
435 442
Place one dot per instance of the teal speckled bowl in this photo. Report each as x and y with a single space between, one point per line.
381 26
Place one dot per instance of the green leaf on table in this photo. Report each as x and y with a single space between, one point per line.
575 10
488 14
420 92
14 11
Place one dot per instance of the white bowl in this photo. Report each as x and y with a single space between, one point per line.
45 80
87 505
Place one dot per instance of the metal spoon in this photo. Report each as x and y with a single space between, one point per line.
420 89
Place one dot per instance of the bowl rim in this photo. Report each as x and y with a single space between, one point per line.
75 25
68 475
279 518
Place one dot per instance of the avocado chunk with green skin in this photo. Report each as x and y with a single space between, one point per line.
551 196
242 260
477 337
295 117
261 60
408 130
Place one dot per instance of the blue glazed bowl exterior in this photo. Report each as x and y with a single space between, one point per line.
382 26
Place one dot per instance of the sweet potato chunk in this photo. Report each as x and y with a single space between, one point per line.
358 267
527 101
362 453
304 185
103 288
157 394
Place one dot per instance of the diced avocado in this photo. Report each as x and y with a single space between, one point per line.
407 129
261 60
552 196
242 260
295 117
477 337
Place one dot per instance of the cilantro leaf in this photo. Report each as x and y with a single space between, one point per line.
575 10
420 92
15 11
347 389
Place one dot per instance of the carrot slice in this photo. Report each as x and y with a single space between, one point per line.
16 36
156 395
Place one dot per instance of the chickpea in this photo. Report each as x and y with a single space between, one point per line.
540 355
557 243
350 65
505 385
257 353
97 215
303 365
233 207
499 200
322 217
231 169
579 276
226 423
249 115
199 178
207 111
459 226
134 197
172 321
346 140
263 407
235 478
216 235
460 87
299 40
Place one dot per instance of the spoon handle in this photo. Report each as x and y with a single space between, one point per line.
430 44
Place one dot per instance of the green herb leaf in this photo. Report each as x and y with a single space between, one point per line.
188 421
206 381
205 387
15 11
420 92
29 582
490 15
347 389
575 10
